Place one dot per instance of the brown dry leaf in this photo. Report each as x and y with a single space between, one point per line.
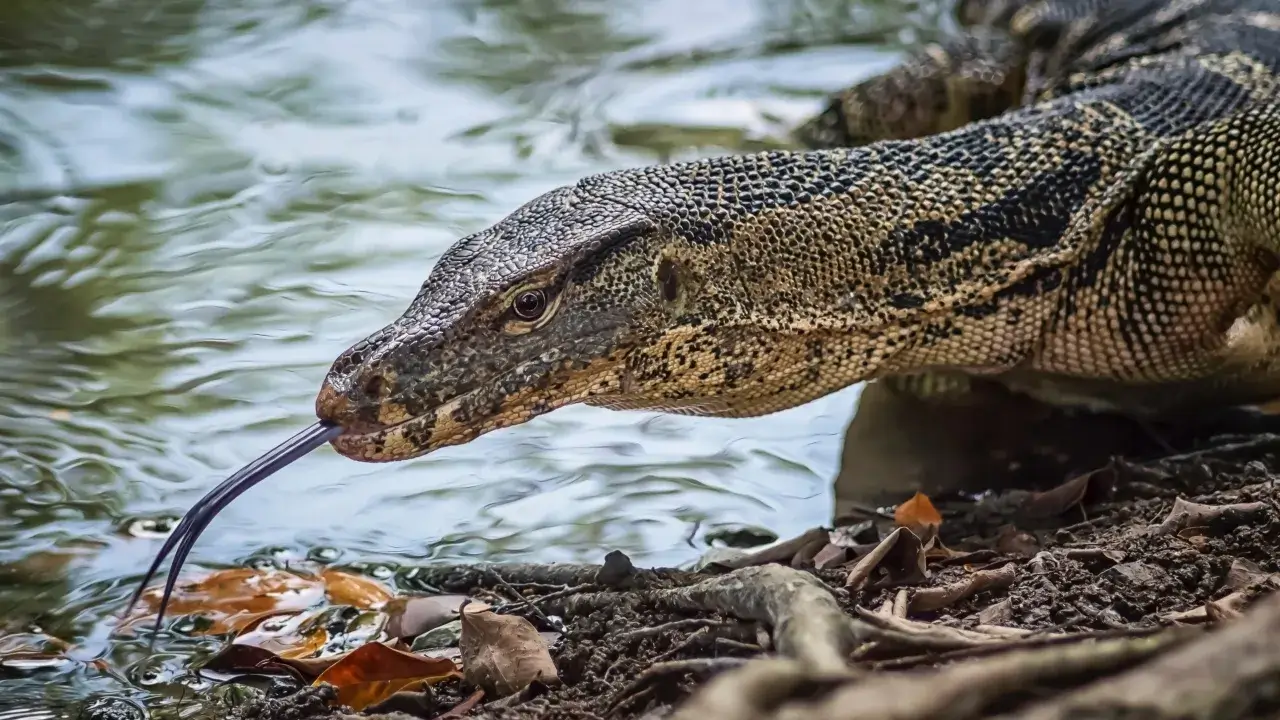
1017 543
1224 607
282 634
1222 610
1058 500
1244 573
374 672
830 556
343 588
919 516
235 598
28 652
900 555
939 597
783 552
943 555
503 654
237 658
414 615
998 614
60 414
1186 514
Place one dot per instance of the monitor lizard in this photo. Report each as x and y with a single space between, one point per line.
1079 200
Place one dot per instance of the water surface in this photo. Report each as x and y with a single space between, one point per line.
202 202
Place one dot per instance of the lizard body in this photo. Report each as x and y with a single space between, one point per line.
1079 199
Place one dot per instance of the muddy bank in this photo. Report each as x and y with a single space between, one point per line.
1140 589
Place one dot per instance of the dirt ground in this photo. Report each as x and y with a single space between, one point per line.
1139 590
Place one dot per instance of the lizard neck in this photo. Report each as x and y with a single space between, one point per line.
812 271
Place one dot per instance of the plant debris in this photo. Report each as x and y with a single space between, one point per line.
503 654
1033 604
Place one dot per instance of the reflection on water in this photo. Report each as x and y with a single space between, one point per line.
203 201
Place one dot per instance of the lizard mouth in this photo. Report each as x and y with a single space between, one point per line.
411 437
403 440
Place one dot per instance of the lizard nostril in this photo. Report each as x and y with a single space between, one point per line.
375 387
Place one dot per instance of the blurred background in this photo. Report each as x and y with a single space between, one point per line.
202 202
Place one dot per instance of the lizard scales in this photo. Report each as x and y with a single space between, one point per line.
1077 199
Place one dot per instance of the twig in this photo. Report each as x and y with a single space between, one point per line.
536 610
685 644
564 592
1022 643
732 644
673 625
657 671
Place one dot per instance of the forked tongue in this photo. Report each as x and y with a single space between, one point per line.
198 518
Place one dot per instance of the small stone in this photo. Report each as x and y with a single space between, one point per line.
445 636
1137 573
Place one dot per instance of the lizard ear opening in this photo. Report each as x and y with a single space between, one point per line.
668 276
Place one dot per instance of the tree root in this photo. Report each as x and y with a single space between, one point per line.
807 623
560 576
1176 673
1233 673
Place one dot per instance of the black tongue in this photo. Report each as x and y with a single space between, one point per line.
198 518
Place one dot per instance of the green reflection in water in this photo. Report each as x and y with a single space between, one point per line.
202 202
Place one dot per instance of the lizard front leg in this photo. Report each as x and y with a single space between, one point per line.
937 88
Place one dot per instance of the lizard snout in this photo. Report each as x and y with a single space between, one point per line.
331 405
340 408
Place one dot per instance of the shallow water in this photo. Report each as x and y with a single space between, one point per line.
202 202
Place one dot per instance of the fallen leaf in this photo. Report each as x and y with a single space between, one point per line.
503 654
1223 608
1017 543
1244 573
372 673
412 616
936 598
830 556
355 590
36 651
1058 500
919 516
998 614
237 658
287 634
1222 611
900 555
1185 514
233 599
855 535
805 555
60 414
28 661
943 555
783 552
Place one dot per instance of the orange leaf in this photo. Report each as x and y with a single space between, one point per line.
236 598
372 673
918 515
355 590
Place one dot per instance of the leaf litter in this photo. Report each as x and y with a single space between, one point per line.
1128 548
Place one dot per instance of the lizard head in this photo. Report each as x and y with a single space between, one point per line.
675 288
534 313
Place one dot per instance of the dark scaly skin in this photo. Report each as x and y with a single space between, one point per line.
1107 236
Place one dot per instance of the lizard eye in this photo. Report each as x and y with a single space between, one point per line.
529 305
